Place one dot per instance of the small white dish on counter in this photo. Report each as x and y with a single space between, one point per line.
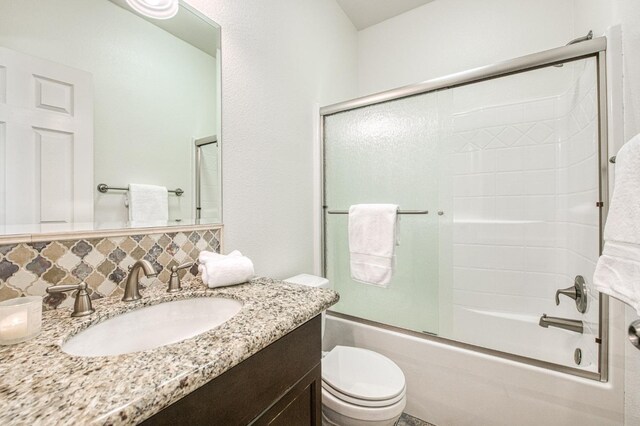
152 326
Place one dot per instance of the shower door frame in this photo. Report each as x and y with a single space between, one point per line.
594 48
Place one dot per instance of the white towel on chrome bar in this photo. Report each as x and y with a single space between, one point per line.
618 269
148 204
372 242
219 271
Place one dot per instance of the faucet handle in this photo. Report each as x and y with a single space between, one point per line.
577 292
174 279
82 305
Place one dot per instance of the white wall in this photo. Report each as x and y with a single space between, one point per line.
447 36
153 92
279 58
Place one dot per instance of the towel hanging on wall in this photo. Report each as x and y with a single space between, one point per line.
618 270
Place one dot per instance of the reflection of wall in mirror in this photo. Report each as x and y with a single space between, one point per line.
154 93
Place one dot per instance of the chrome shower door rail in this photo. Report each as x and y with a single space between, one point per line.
593 48
199 143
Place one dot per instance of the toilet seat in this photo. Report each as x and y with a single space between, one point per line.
362 377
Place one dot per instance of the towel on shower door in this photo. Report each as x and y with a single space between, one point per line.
372 242
148 204
618 269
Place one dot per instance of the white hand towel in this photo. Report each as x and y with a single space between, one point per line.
229 271
148 204
618 269
372 242
205 256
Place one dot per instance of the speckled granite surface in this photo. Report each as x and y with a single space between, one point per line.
40 384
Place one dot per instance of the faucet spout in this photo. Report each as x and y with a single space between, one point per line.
132 288
564 323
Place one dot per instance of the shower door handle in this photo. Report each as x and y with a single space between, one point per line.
577 292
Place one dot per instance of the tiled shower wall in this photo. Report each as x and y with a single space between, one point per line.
525 187
27 269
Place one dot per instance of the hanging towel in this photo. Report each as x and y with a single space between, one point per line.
618 269
228 270
148 204
372 242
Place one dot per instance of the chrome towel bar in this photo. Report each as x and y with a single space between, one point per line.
399 211
103 187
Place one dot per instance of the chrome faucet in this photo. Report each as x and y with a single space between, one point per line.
564 323
82 305
131 289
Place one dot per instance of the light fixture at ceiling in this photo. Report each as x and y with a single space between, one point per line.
157 9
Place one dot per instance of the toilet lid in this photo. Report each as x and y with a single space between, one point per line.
362 374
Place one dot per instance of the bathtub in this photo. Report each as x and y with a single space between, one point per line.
450 385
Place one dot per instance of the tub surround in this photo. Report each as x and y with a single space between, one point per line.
40 382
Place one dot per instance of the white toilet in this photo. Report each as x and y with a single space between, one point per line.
359 387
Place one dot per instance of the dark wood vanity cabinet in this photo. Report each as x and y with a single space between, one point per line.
280 385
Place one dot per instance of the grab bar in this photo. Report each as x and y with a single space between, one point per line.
399 211
103 187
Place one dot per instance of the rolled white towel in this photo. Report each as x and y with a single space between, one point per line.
229 271
206 256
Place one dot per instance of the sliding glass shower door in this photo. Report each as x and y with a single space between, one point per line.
508 169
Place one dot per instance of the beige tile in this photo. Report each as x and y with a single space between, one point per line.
7 292
54 251
21 255
146 243
128 245
105 246
95 280
54 275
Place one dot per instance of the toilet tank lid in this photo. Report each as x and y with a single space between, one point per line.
309 280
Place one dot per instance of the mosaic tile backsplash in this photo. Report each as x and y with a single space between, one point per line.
27 269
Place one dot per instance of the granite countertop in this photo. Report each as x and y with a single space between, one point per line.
40 384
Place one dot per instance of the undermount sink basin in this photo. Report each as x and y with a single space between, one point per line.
152 326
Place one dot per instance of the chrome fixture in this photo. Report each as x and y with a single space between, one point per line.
131 289
399 211
578 292
612 159
174 279
634 333
589 36
577 356
199 143
103 187
82 305
564 323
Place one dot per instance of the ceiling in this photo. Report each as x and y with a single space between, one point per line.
364 13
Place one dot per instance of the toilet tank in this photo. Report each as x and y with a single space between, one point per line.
311 281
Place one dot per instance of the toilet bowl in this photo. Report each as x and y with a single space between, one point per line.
359 387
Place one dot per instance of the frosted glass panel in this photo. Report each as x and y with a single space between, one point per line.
386 154
508 169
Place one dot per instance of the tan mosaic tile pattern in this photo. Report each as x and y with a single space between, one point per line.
27 269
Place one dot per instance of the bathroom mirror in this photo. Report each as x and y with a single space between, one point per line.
94 97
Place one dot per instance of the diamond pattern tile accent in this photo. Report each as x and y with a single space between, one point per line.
81 249
39 265
21 255
29 268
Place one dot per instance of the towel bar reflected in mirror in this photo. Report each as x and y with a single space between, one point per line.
103 187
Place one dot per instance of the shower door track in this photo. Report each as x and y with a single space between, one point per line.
199 143
594 48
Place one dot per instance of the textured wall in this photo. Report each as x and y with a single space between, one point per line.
279 59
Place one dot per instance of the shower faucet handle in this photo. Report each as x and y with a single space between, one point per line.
577 292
